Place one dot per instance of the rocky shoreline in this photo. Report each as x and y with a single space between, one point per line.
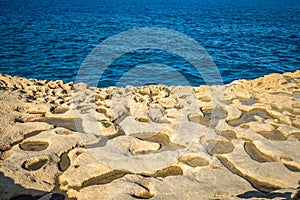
69 141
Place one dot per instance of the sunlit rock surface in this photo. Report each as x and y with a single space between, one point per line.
70 141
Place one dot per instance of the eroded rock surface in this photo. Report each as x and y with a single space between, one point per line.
70 141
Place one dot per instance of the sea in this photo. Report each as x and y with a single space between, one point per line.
51 39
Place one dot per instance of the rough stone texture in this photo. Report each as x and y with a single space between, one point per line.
267 176
238 141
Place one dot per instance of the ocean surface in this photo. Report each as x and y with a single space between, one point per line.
246 39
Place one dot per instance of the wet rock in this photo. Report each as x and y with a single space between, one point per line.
219 147
64 162
193 160
35 164
34 146
168 171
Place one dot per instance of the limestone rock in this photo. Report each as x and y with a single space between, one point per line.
150 142
259 174
232 113
131 126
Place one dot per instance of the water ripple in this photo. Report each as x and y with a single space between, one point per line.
246 39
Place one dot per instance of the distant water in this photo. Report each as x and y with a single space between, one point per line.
246 39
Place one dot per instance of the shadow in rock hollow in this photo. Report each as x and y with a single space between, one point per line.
257 194
11 191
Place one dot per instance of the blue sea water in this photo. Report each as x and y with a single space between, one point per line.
246 39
